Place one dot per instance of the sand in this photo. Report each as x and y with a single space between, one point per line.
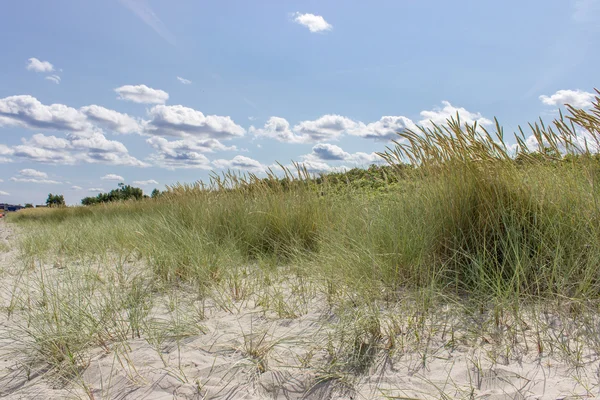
220 361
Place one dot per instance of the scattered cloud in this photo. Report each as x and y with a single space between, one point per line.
39 66
184 121
113 177
385 129
32 173
145 183
54 78
76 188
99 190
326 151
187 145
330 152
575 98
144 12
33 176
142 94
440 116
184 81
90 147
279 129
3 193
240 162
29 112
112 120
328 127
315 23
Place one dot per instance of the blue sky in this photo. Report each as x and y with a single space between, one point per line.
153 92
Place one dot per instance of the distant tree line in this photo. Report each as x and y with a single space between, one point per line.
55 200
123 192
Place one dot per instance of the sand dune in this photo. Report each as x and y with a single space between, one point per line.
248 352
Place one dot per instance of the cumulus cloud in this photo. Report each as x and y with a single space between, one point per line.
184 121
240 162
279 129
36 65
53 78
575 98
331 127
76 188
142 94
184 81
90 147
33 176
112 120
3 193
29 112
184 153
112 177
5 151
99 190
385 129
32 173
440 116
145 183
328 127
330 152
315 23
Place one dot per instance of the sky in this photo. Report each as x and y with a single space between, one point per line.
152 92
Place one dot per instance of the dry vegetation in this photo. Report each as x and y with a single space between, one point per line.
474 272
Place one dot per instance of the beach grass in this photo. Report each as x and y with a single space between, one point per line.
460 236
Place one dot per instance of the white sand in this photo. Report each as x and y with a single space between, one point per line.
216 364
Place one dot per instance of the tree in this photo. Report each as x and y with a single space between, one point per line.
28 205
123 192
55 200
155 194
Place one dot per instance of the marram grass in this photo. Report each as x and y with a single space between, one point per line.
457 220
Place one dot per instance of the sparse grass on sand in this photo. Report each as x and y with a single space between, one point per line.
474 272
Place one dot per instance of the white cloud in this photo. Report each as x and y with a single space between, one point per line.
142 94
29 112
326 151
240 162
384 129
279 129
39 66
3 193
76 188
99 190
5 150
112 177
34 180
54 78
113 120
330 152
145 183
576 98
315 23
184 121
33 176
177 148
189 159
440 116
184 81
331 127
32 173
328 127
92 147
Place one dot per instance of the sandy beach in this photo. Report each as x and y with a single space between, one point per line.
248 352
